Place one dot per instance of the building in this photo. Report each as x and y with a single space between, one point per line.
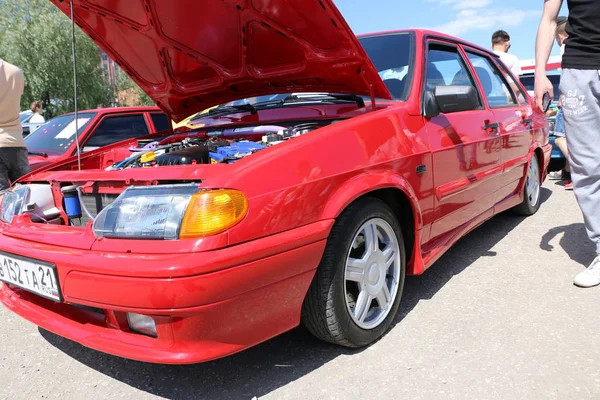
110 68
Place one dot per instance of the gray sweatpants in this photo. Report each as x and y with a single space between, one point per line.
580 94
13 165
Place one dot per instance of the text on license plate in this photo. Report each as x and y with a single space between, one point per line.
31 275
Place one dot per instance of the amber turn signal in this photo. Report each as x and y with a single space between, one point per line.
213 211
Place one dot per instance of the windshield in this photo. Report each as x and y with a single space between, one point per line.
56 136
528 81
256 100
24 116
390 54
392 57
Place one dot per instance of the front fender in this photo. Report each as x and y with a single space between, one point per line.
365 183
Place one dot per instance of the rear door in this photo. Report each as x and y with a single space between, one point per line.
512 112
466 148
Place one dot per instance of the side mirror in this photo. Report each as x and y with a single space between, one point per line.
430 107
456 98
449 99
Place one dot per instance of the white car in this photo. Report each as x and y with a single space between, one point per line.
28 127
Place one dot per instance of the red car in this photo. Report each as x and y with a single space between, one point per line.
55 140
279 208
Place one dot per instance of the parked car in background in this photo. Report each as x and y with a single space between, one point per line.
26 124
55 140
558 160
378 154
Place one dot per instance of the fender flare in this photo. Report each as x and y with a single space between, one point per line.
364 183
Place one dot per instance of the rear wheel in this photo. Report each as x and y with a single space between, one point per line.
532 189
356 291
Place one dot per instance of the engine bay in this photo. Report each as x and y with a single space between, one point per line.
212 146
77 202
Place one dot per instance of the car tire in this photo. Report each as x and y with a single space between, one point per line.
343 303
531 189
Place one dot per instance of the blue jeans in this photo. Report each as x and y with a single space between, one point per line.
559 124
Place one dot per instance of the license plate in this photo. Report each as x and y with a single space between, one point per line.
32 275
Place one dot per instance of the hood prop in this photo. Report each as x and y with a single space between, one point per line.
361 72
75 85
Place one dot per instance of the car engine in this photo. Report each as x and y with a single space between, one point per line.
211 146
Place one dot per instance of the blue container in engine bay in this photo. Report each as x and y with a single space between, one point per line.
235 151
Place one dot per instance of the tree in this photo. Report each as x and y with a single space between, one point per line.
128 93
36 36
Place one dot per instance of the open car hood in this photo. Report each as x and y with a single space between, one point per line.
189 55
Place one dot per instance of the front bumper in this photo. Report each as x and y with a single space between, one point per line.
198 317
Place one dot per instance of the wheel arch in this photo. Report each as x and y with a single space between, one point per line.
391 189
541 159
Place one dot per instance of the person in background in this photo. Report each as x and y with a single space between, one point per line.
37 118
559 128
13 153
500 46
580 95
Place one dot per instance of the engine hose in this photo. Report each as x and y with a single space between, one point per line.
83 207
128 161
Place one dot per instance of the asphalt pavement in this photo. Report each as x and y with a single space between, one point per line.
496 318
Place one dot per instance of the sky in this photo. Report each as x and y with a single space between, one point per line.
472 20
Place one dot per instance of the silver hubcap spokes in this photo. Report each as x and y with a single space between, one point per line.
533 182
372 273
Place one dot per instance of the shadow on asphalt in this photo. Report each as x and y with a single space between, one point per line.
264 368
460 256
574 242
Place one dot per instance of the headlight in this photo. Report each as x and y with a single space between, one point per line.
13 201
170 212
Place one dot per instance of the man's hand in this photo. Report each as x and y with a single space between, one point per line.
543 46
542 85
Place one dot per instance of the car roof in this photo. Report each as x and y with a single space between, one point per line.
115 110
426 33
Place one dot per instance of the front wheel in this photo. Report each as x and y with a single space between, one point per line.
356 291
532 189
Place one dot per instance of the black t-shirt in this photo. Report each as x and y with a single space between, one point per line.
582 48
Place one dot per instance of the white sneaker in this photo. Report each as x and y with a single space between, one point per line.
555 176
590 277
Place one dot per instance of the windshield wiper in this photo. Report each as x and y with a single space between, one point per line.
229 109
294 98
291 99
37 153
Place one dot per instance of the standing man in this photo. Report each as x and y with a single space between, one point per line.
559 127
13 153
500 45
580 95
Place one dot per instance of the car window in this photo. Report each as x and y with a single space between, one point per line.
445 67
513 85
115 129
57 135
495 89
161 122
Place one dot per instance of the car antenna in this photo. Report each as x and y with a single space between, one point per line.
75 85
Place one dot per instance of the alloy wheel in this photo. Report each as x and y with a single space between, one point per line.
533 183
372 273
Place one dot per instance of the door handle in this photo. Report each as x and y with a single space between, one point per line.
491 128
